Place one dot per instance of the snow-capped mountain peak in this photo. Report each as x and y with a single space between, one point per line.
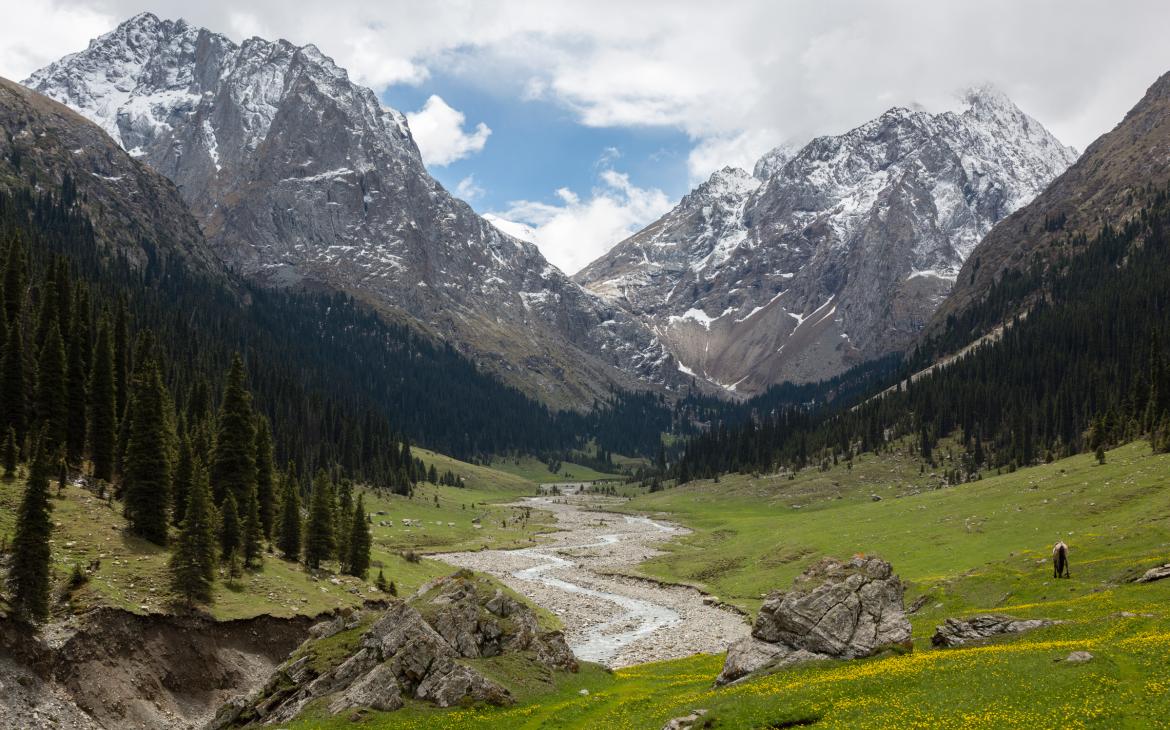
836 252
298 175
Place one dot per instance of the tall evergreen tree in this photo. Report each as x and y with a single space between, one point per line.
12 381
49 314
77 375
193 562
14 281
341 520
233 462
121 344
10 453
252 532
147 468
358 562
319 540
184 478
29 568
265 476
229 529
103 421
289 538
52 391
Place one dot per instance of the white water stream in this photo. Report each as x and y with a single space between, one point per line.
604 640
608 618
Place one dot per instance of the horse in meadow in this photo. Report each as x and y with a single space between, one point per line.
1060 560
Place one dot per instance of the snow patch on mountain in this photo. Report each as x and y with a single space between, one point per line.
877 220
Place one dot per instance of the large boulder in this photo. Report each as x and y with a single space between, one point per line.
956 632
479 619
835 610
414 649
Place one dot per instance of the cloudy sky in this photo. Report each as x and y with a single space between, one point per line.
587 120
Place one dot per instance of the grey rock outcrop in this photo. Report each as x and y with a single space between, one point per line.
957 632
686 722
1159 573
299 176
832 254
835 610
414 649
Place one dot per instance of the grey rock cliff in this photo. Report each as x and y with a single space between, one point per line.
299 176
832 254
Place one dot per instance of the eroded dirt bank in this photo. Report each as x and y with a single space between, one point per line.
609 619
110 668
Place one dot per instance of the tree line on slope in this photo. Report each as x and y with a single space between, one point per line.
1085 369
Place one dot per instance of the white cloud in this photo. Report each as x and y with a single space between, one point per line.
35 34
716 72
438 130
573 232
468 189
738 150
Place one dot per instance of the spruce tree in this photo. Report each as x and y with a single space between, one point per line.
48 314
12 381
52 390
193 562
233 462
319 540
341 520
358 562
252 534
103 420
77 375
289 538
147 467
229 528
265 477
10 454
121 345
184 479
14 281
29 567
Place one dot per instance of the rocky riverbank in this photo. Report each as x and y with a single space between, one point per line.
609 619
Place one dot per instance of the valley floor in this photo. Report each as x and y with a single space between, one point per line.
609 618
973 548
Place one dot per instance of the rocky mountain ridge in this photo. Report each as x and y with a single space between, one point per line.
1105 184
832 254
298 176
135 211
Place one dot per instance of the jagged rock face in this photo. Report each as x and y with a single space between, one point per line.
134 210
1101 186
957 632
834 611
298 175
412 650
833 254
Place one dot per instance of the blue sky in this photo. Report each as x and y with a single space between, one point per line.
537 146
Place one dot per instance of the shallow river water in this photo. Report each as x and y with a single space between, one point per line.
609 618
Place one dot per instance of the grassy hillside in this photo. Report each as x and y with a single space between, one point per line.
753 534
977 547
535 470
133 572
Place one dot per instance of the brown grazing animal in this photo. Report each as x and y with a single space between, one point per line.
1060 560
